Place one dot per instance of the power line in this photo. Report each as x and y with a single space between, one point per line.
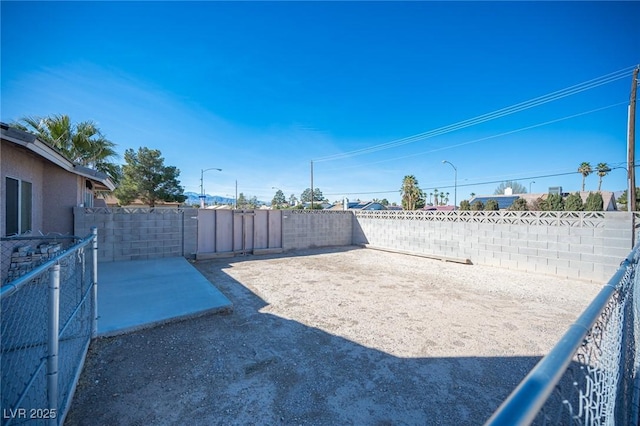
546 123
569 91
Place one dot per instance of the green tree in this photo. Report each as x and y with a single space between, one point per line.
436 194
253 202
537 204
603 169
491 205
144 176
516 188
477 205
465 205
573 203
585 170
278 199
594 202
242 202
519 205
554 202
413 197
82 143
305 197
622 200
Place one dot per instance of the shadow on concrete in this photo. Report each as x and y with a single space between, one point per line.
249 367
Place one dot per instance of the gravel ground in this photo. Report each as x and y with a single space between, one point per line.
337 336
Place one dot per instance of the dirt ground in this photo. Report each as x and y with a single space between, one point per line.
337 336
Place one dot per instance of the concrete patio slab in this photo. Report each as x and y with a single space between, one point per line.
143 293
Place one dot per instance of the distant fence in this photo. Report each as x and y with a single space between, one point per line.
592 376
47 319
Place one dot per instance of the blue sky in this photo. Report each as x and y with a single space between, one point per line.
261 89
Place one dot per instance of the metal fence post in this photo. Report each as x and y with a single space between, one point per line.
53 341
94 258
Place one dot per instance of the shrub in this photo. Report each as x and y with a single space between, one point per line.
491 205
573 203
465 205
594 202
519 205
554 202
477 206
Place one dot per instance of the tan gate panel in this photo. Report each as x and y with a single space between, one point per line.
206 231
275 228
261 229
224 231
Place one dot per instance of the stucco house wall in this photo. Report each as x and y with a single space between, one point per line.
62 191
20 163
57 184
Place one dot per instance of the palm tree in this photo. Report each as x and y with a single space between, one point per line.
473 194
603 170
441 198
585 170
412 196
83 143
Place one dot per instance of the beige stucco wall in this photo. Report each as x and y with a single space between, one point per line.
55 190
21 164
62 192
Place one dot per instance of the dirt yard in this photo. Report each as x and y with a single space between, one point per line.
339 336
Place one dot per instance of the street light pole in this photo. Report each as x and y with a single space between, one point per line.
202 196
455 184
530 185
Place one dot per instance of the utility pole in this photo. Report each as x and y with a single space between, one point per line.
311 184
631 144
631 127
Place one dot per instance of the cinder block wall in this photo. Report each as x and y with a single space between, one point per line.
135 234
581 245
302 229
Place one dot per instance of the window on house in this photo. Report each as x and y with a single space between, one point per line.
18 204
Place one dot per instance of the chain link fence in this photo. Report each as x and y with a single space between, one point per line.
47 319
592 376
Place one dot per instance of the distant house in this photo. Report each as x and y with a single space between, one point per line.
40 186
358 205
439 208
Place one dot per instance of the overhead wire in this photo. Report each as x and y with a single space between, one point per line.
533 126
540 100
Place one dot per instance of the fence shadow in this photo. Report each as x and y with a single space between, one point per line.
252 367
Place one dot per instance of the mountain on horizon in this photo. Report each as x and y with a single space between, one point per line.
194 198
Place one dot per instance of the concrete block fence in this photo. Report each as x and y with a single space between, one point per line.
139 233
581 245
303 229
